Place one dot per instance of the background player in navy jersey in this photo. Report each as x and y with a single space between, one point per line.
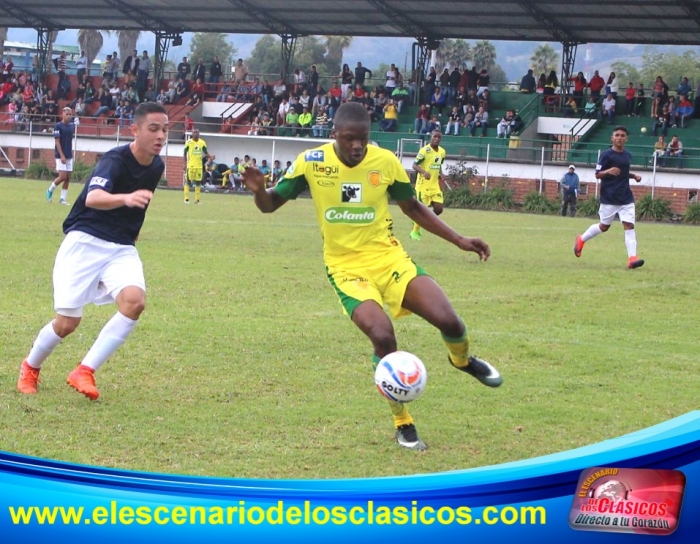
63 133
97 261
616 198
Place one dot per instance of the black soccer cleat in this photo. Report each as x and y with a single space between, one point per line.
485 372
407 437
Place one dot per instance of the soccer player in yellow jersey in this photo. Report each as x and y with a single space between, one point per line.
195 155
428 166
350 184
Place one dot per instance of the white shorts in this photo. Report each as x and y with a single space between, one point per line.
68 167
90 270
607 213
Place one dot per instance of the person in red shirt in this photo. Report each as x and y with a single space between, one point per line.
630 95
596 84
580 85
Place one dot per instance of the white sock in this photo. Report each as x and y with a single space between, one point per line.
45 342
112 335
593 230
64 194
631 242
52 187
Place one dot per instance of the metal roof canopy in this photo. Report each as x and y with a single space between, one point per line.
666 22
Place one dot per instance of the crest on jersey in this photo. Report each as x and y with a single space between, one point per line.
374 178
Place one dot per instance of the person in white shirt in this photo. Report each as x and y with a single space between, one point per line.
81 65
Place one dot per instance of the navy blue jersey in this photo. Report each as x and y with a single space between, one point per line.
118 172
64 132
615 189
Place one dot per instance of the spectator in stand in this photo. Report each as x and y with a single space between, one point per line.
105 103
107 74
240 72
579 88
305 122
282 111
361 73
358 93
333 105
612 86
266 125
674 150
445 83
541 82
663 121
570 107
320 127
683 87
630 99
215 72
528 83
659 95
199 73
684 111
659 148
641 100
596 85
305 100
468 115
429 84
313 82
455 77
180 90
61 64
291 123
187 126
280 90
609 108
454 121
391 117
400 96
504 125
183 69
432 125
224 92
143 71
195 99
115 66
150 95
483 82
115 93
481 119
81 65
299 81
438 100
551 84
79 108
131 67
294 103
276 173
254 127
320 101
346 77
127 114
671 105
392 76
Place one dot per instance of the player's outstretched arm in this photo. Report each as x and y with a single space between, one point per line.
267 200
427 219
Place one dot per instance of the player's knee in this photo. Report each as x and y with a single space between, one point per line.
604 228
131 302
451 325
437 210
64 325
383 341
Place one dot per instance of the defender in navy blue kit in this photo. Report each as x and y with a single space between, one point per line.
97 261
616 198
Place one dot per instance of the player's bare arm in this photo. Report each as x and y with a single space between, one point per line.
427 219
421 171
267 200
102 200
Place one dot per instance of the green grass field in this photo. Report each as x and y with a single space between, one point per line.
244 365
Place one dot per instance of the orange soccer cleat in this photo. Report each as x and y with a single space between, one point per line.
578 246
82 379
28 379
633 262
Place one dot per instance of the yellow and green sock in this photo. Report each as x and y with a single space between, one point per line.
458 349
399 410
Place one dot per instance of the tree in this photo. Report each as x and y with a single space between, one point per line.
91 42
452 53
544 59
205 45
498 77
335 45
265 58
310 50
625 72
670 66
127 40
484 55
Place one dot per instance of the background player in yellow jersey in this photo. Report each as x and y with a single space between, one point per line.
429 182
350 183
195 156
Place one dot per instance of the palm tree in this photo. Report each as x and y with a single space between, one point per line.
452 53
127 42
335 45
91 42
52 39
544 59
3 37
484 54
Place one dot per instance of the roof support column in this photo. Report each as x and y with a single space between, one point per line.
43 45
568 59
289 45
421 53
163 40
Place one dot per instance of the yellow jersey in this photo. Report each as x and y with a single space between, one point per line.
195 152
431 160
352 204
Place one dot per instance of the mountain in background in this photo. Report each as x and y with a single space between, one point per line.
514 57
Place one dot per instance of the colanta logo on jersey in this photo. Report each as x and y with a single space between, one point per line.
314 155
342 214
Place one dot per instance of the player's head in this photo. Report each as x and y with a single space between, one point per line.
435 138
67 114
150 128
351 126
195 134
619 136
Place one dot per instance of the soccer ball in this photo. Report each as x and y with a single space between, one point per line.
644 129
401 376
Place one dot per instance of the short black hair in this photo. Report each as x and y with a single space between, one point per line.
623 128
145 108
351 112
